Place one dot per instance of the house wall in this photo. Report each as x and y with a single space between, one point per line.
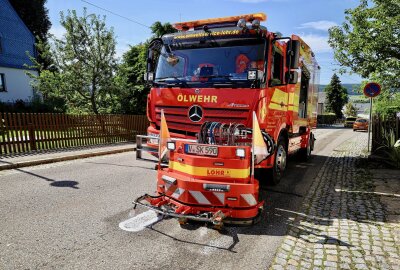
16 43
18 84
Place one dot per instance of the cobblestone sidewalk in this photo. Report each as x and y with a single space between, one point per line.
343 225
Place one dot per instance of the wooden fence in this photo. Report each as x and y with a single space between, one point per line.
24 132
381 128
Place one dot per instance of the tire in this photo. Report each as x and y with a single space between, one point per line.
277 171
305 153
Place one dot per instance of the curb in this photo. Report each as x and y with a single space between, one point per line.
62 158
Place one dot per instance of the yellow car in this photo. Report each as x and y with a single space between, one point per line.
349 121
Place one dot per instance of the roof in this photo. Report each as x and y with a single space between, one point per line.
16 39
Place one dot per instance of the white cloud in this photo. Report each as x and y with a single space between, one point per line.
317 43
318 25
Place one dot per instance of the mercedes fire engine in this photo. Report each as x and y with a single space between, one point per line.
209 78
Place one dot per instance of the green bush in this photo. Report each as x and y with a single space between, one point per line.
35 105
390 149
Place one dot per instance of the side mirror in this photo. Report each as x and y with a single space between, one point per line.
293 53
292 77
148 77
153 53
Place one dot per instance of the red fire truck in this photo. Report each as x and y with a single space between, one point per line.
223 69
208 78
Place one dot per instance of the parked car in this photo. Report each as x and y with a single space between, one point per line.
360 124
349 121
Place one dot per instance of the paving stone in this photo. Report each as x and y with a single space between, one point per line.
282 255
344 266
293 262
277 267
286 247
332 251
291 267
332 258
345 259
318 256
305 265
318 262
359 260
280 261
330 264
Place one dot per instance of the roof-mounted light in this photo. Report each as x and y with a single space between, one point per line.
183 26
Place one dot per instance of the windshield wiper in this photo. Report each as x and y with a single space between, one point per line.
217 76
167 80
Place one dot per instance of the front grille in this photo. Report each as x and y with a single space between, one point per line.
179 122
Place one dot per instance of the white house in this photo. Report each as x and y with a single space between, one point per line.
15 42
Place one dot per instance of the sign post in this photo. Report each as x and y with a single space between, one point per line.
371 90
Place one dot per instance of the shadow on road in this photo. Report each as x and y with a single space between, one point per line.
226 231
54 183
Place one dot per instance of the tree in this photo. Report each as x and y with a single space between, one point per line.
350 110
336 96
368 42
84 65
159 29
133 89
35 16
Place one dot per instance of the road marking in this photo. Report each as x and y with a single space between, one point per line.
139 222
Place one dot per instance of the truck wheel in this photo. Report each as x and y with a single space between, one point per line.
280 162
305 153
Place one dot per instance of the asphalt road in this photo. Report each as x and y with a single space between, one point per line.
66 216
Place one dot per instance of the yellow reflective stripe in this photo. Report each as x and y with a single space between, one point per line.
279 96
214 172
278 107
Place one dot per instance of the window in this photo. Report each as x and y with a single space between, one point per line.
305 81
277 67
2 83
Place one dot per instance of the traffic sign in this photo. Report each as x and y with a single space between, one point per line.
372 89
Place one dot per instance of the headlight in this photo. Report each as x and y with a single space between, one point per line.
240 152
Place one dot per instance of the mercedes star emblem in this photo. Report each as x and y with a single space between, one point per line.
195 113
197 91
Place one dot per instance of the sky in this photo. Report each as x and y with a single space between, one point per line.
310 19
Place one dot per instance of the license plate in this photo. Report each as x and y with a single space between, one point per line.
202 150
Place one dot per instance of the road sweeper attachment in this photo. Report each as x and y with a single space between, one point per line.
209 180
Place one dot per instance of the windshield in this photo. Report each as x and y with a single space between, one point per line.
210 64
